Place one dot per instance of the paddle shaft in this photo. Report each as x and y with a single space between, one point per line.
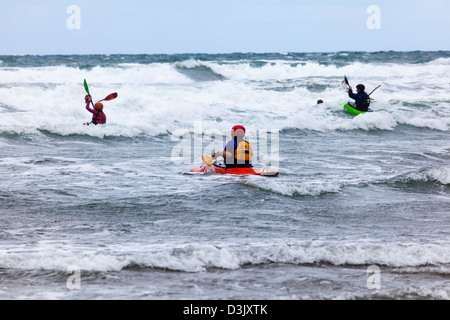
87 90
374 89
346 81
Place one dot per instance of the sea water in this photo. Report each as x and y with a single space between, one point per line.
360 210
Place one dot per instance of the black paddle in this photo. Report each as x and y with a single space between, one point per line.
346 81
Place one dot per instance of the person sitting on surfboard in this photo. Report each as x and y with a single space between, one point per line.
237 153
98 117
362 99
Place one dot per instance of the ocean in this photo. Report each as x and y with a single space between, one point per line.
359 211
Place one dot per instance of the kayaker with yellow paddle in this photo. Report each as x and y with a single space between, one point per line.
238 156
237 153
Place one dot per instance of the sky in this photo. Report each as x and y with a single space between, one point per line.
40 27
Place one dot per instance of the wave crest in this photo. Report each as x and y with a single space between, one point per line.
199 257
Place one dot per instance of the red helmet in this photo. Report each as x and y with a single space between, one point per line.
240 133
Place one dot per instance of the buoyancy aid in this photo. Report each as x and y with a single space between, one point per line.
100 118
362 100
364 103
242 154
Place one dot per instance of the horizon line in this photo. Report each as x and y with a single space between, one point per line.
220 53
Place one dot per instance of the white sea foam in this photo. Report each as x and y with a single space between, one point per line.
125 73
440 174
308 188
152 97
281 69
197 257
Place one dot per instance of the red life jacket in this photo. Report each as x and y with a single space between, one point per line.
100 118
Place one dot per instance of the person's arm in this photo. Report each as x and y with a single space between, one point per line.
224 153
89 109
88 103
351 94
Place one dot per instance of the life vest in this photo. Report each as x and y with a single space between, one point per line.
243 153
100 118
364 104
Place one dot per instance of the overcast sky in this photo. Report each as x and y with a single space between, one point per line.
221 26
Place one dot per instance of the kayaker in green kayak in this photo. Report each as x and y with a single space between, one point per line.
362 99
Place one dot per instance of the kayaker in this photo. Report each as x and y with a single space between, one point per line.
237 153
320 101
362 99
98 117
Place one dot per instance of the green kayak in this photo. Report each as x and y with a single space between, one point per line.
354 111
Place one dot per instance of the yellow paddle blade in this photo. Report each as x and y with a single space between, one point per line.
207 160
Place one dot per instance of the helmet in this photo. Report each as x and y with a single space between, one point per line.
361 87
99 106
240 133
